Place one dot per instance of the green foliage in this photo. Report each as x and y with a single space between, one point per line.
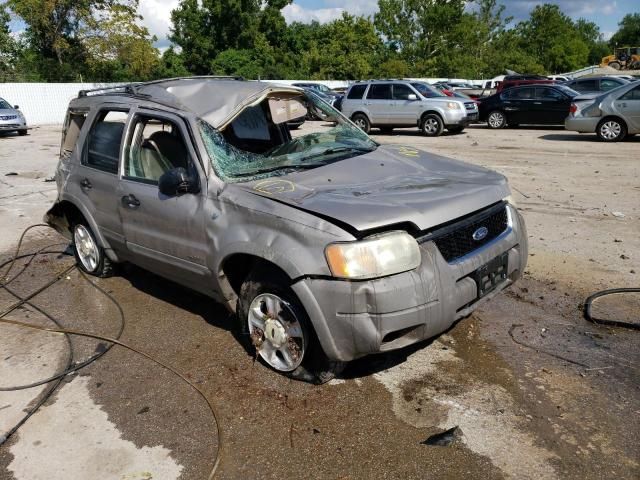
84 40
628 35
102 40
551 37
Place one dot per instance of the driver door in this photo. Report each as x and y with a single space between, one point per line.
164 234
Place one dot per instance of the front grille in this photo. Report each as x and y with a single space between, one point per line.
8 117
457 240
470 105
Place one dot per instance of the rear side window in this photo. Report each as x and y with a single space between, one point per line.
522 94
72 126
585 86
379 91
105 138
607 84
356 92
633 94
544 93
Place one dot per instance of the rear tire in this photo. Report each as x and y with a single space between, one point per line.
274 326
362 122
90 256
432 125
496 119
611 130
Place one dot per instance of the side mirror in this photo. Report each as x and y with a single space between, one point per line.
16 107
177 181
412 96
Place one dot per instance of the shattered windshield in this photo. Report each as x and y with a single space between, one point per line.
259 142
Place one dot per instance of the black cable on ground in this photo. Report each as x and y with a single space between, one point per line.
60 330
533 347
601 321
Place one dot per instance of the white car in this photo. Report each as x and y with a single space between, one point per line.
11 118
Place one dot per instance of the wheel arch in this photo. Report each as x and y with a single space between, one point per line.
65 213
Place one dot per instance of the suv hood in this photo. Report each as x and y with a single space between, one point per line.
391 185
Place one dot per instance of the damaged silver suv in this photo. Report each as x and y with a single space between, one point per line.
327 246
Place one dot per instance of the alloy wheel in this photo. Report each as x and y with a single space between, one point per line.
86 247
276 332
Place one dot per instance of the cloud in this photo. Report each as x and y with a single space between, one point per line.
520 9
295 13
156 16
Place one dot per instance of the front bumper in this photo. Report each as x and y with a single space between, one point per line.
581 124
353 319
11 126
463 118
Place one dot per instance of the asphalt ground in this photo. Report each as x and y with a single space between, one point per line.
536 391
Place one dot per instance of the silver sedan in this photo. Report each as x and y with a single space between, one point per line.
612 116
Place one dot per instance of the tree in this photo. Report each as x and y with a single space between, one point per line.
8 45
628 34
420 30
590 33
204 28
88 39
118 48
553 39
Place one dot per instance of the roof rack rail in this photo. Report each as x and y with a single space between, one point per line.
128 88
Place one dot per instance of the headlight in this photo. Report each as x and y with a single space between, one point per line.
592 111
375 256
453 106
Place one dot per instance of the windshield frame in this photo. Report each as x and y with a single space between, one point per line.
318 147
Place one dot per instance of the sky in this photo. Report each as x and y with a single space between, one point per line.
605 13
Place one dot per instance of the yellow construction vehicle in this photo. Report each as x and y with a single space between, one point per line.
623 58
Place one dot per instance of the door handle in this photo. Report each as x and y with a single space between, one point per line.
130 201
85 184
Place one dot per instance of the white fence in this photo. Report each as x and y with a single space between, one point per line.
43 103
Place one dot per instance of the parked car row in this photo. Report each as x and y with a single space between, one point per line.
612 114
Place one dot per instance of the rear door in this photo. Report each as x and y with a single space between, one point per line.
379 103
519 105
629 106
163 233
96 178
550 107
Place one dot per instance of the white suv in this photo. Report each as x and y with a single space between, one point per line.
388 104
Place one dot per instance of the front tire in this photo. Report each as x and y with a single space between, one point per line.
615 65
362 122
432 125
276 328
90 256
611 130
496 119
22 132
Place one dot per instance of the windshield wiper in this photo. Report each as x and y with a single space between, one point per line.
331 151
297 166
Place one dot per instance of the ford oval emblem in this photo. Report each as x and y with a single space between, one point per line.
480 233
